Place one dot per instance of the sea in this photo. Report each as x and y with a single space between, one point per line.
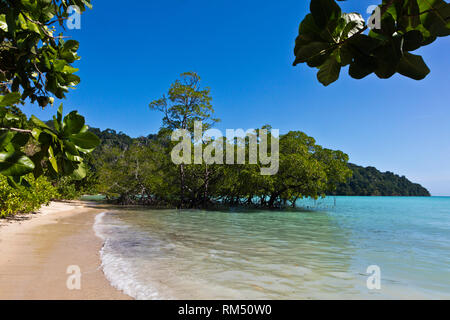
332 248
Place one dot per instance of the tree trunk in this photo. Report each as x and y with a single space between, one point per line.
205 193
182 186
273 197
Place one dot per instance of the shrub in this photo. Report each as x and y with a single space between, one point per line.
67 189
25 200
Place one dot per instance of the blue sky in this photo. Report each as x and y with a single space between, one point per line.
243 50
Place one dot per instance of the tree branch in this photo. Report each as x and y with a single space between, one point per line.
16 130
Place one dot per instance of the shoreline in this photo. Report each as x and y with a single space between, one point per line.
36 251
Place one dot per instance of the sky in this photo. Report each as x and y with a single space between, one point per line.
243 50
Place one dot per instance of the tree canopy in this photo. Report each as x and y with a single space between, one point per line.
330 39
186 103
139 171
36 64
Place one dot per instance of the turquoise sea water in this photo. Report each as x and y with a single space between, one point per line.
321 253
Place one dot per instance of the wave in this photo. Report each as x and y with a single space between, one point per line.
118 270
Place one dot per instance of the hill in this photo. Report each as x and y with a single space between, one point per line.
372 182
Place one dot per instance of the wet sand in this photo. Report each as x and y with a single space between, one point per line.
36 252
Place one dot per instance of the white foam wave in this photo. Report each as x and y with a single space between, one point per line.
120 273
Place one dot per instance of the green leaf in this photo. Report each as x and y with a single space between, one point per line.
10 99
57 121
345 55
71 45
413 66
52 159
5 139
311 50
20 139
364 44
309 30
38 123
412 40
362 67
354 23
73 123
410 14
15 164
85 140
436 17
388 25
329 71
70 147
80 172
37 160
36 133
16 182
324 11
69 167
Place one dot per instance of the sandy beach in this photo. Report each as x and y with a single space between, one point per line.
37 250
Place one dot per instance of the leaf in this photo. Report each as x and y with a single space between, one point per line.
80 172
362 67
436 17
345 55
413 66
412 40
52 159
5 138
38 122
71 152
329 71
16 182
71 45
20 139
387 25
323 11
3 24
410 14
308 27
310 50
57 121
37 160
36 133
85 140
73 123
364 44
10 99
15 164
354 23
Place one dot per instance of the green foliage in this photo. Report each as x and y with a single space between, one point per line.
145 174
21 199
64 146
330 39
371 182
306 170
186 103
67 189
33 59
142 173
36 64
61 149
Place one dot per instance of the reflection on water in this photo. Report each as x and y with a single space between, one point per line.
170 254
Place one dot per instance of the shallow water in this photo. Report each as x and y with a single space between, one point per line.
319 254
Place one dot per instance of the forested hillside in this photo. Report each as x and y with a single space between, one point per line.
372 182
